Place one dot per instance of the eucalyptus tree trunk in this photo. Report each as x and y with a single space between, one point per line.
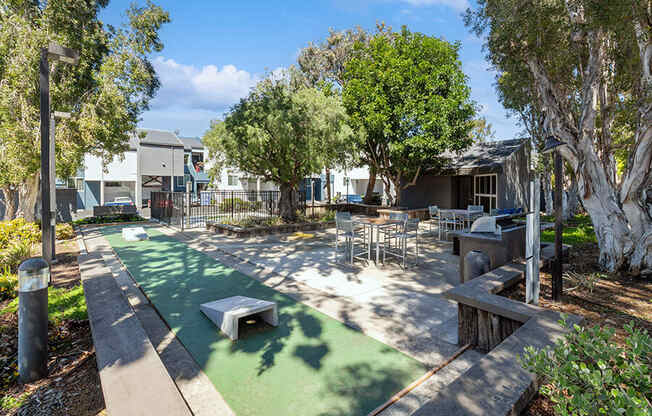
10 202
571 200
288 202
546 183
621 215
28 197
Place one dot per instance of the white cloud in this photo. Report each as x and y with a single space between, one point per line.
207 88
455 4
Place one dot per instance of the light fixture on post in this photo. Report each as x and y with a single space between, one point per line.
53 52
53 194
552 145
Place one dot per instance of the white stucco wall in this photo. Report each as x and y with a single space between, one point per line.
358 185
118 170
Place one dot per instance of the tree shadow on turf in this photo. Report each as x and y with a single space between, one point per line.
362 387
274 341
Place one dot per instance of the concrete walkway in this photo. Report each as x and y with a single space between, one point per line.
125 355
402 308
191 387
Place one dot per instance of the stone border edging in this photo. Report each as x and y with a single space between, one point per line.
236 231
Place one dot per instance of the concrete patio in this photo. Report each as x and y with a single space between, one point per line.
402 308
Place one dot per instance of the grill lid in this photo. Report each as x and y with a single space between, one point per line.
486 224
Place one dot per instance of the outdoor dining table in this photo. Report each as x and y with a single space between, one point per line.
465 214
376 224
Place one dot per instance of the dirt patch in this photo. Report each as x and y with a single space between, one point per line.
602 299
73 385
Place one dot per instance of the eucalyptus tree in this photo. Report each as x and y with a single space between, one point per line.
105 93
281 132
408 92
323 65
589 66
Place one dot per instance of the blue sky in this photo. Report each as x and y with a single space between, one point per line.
215 51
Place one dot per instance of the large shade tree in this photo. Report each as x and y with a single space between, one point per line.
323 65
105 93
282 132
589 68
408 92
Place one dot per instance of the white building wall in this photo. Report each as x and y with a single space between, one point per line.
358 179
118 170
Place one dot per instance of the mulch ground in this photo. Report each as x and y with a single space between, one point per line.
73 385
602 299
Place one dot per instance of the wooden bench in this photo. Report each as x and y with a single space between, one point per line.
497 384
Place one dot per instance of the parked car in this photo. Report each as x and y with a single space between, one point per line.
121 200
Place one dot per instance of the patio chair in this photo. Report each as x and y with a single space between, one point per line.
390 233
433 210
339 217
352 235
449 221
409 229
475 211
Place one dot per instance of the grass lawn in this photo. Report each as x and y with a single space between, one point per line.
577 231
310 364
63 304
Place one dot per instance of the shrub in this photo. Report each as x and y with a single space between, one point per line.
14 254
8 284
239 205
109 219
65 231
587 373
18 230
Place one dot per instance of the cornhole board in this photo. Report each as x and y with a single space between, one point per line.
134 234
226 312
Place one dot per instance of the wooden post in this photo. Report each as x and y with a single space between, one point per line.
557 264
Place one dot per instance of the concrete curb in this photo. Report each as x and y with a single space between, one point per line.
125 355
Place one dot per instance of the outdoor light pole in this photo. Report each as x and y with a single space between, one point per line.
552 144
59 53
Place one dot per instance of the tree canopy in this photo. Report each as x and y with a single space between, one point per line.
105 93
408 92
282 132
582 70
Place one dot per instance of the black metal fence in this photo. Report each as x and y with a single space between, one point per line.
187 211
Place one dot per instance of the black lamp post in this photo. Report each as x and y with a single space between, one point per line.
57 53
552 144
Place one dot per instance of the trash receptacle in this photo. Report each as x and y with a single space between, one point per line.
476 263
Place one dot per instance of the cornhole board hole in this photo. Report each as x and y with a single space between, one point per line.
134 234
225 313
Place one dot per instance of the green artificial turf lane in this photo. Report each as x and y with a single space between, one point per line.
310 364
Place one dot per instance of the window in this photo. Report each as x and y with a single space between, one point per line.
345 180
79 184
485 191
112 184
178 182
232 180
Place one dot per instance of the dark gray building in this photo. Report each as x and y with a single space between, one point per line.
493 174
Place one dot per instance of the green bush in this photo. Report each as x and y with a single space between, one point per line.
65 231
8 284
14 254
109 219
239 205
588 373
18 230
